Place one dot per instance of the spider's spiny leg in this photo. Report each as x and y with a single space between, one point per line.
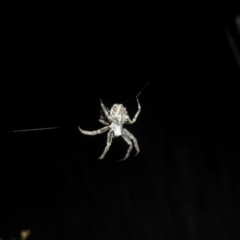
130 135
92 133
136 115
103 122
105 110
125 137
109 141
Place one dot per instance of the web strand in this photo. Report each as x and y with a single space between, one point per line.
33 129
142 89
138 93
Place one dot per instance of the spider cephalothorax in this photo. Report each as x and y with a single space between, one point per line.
118 109
115 118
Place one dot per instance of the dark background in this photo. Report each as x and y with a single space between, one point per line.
185 182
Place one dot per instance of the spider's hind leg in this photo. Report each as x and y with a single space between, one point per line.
109 141
133 139
125 137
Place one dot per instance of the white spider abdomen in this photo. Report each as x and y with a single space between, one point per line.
117 129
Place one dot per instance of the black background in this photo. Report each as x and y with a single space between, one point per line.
185 182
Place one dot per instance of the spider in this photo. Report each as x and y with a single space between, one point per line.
115 118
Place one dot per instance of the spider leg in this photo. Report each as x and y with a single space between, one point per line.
136 115
92 133
130 135
109 141
103 122
125 137
105 110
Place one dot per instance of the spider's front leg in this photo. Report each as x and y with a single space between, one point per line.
92 133
136 115
105 111
103 122
109 141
